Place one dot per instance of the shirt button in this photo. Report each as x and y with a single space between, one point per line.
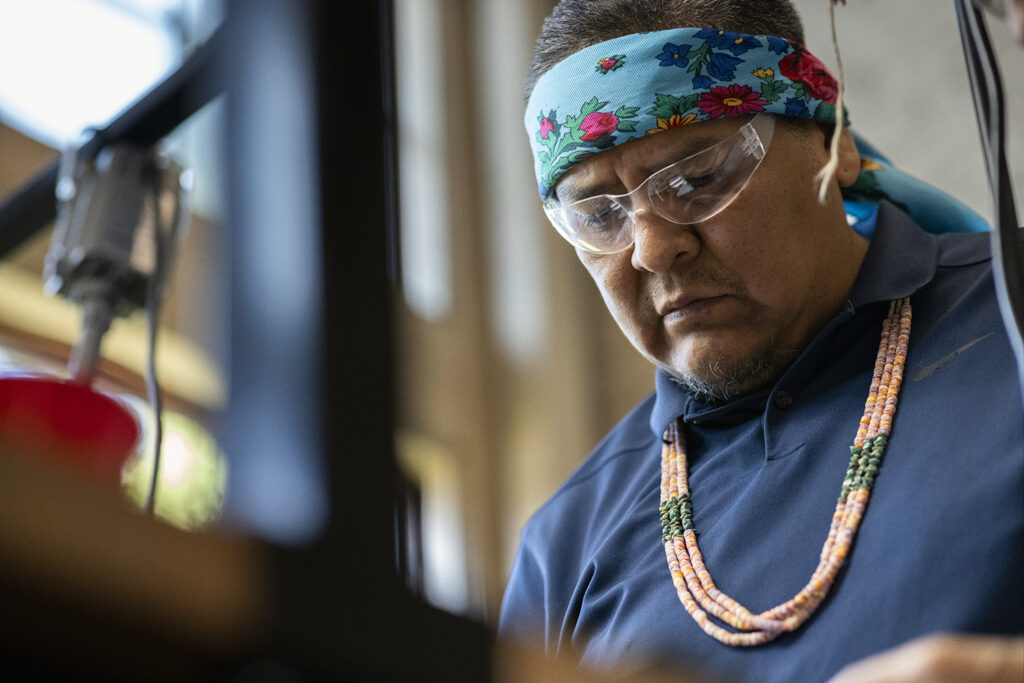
783 399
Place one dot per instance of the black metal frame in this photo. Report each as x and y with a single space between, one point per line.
342 607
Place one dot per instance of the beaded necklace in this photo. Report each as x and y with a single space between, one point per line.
694 585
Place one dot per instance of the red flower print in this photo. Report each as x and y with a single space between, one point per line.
730 100
606 64
807 69
598 124
546 126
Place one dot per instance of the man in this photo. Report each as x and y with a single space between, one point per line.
683 165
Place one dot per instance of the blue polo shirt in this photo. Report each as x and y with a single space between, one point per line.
940 547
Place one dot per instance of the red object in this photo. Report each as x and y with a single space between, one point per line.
67 422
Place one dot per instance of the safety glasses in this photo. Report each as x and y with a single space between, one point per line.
688 191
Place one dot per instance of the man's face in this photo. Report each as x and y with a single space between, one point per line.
725 305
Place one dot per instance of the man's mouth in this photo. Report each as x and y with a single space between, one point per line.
690 307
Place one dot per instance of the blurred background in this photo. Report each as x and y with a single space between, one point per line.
509 369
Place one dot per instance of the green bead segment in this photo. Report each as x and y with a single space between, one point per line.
864 464
676 516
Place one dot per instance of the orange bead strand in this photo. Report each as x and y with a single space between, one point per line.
692 580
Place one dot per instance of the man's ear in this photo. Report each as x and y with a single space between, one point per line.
849 157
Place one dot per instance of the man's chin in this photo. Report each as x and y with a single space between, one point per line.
718 378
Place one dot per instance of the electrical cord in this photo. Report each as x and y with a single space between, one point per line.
163 239
989 107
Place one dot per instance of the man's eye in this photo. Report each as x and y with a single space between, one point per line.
683 183
700 180
600 218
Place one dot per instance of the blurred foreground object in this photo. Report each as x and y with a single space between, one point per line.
942 658
93 592
69 423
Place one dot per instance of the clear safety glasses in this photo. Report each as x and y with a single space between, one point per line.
688 191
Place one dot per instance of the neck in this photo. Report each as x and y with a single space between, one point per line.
847 257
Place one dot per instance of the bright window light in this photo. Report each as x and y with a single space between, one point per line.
426 242
70 64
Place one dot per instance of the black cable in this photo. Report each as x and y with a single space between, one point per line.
989 107
154 291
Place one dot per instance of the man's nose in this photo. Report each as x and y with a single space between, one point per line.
658 243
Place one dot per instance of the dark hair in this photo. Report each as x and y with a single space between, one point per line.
576 24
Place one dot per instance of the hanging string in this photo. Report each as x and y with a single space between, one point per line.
825 175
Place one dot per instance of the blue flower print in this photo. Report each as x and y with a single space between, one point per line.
674 55
797 108
722 66
777 45
742 43
702 82
736 43
715 37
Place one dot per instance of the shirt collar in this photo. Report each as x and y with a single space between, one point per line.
901 259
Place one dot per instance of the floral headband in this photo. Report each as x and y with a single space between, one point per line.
645 83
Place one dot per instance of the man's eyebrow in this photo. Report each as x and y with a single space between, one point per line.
570 191
575 191
692 146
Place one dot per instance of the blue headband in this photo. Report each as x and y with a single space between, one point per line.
644 83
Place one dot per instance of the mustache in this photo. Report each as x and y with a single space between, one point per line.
700 279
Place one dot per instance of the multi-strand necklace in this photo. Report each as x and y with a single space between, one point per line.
694 585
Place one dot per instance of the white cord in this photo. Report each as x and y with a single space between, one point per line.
828 171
